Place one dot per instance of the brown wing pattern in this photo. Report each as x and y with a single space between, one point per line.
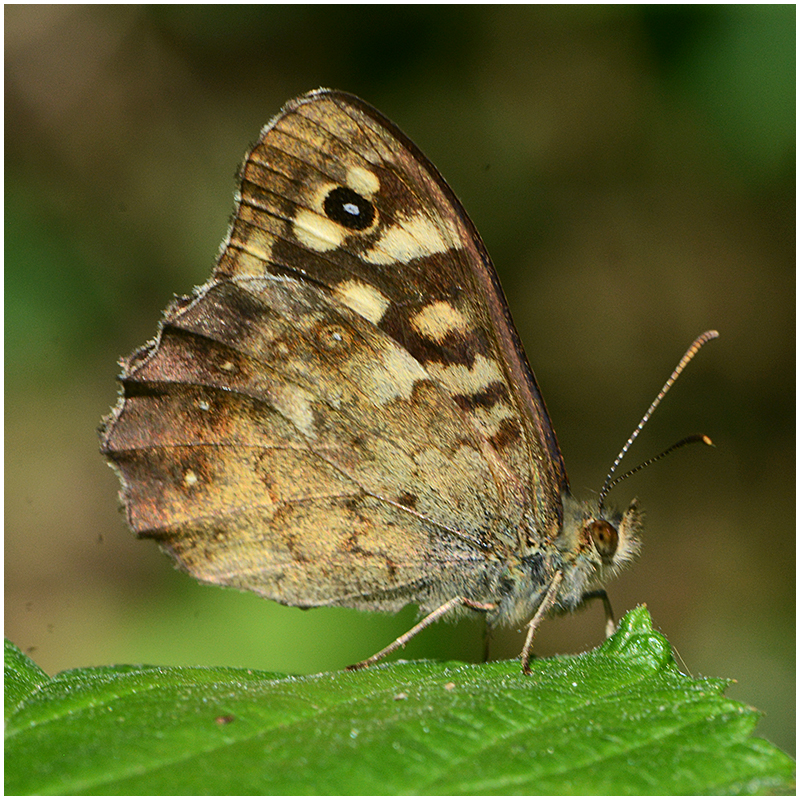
429 281
345 401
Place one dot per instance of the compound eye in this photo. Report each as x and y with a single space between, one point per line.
604 537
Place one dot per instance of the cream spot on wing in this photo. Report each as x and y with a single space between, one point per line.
317 232
363 181
364 299
410 238
189 479
437 320
259 244
393 376
294 404
467 380
252 253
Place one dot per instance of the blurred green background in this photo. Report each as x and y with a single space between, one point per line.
631 169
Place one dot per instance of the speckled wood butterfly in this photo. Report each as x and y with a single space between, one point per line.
344 414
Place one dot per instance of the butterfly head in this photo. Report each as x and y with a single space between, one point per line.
613 540
595 545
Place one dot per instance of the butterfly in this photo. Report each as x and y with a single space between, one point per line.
344 415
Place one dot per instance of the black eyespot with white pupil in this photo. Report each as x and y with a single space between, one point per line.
605 539
349 208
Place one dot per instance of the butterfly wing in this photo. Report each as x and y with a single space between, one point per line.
417 268
344 413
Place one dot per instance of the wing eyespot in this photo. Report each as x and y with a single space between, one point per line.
349 209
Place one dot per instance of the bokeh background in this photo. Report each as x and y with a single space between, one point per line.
631 169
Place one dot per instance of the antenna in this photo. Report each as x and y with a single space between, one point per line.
695 438
687 357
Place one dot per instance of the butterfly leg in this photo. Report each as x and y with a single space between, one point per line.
487 640
422 624
544 607
600 594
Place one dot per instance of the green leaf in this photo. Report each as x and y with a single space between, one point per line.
22 677
618 720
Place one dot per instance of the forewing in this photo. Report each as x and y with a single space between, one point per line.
420 272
